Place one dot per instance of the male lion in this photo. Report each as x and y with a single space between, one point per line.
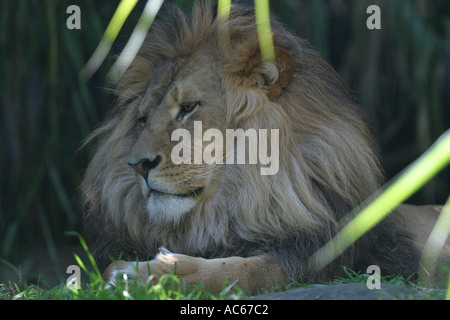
228 222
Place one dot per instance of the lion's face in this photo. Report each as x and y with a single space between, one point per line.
178 93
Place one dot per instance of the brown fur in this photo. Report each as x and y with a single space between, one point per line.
259 230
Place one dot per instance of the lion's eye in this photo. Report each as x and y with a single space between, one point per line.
142 121
186 108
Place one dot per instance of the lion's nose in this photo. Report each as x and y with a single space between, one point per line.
144 166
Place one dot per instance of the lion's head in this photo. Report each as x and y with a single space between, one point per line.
209 70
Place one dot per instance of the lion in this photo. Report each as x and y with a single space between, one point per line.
226 223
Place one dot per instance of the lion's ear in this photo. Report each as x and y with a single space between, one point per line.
256 72
285 64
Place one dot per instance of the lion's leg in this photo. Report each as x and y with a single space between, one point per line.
252 274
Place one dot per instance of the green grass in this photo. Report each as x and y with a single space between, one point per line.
168 288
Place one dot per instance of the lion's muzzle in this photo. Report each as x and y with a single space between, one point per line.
144 166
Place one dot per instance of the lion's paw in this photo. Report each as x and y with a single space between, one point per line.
165 262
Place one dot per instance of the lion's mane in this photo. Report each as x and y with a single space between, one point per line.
327 161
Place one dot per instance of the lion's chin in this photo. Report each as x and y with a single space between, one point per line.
163 208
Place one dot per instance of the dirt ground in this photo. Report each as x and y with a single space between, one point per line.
357 291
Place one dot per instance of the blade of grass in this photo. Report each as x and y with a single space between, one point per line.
87 251
262 15
115 25
10 265
447 297
61 192
436 241
411 180
80 263
137 38
10 237
48 237
223 9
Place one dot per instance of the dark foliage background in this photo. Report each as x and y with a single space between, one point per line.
400 74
